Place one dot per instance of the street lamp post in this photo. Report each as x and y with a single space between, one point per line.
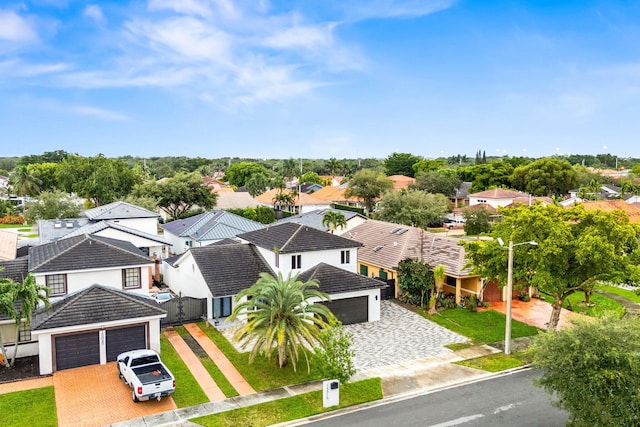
507 329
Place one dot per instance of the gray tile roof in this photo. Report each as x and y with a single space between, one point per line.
289 237
96 227
96 304
84 252
386 244
15 269
118 210
334 280
50 230
227 269
213 225
314 218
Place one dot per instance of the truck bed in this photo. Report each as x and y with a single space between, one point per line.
149 374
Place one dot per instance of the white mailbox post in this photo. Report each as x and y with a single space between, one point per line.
330 393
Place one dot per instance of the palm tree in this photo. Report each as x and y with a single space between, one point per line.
333 220
438 276
280 317
24 182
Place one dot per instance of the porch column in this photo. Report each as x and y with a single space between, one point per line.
458 290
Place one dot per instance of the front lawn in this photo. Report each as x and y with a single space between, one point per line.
483 327
494 362
603 305
624 293
188 391
35 407
293 408
262 373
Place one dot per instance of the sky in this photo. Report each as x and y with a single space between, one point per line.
319 78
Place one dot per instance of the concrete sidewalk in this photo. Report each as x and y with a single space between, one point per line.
420 375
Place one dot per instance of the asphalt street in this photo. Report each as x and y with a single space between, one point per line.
508 400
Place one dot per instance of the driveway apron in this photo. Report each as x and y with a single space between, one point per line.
226 367
199 372
95 396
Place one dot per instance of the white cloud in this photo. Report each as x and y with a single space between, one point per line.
203 8
94 12
99 113
15 28
307 37
368 9
17 68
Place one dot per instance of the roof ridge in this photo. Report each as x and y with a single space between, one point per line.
81 239
295 233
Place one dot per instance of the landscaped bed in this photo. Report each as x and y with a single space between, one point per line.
188 391
35 407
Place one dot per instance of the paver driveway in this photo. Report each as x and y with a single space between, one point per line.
95 396
400 336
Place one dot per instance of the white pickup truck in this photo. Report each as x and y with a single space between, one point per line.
147 376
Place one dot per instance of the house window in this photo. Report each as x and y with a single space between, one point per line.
131 278
277 260
24 332
451 281
221 307
57 283
364 270
382 274
296 262
345 257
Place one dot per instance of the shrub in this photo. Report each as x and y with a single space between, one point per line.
12 219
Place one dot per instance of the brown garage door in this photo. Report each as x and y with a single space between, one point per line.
125 339
77 350
350 310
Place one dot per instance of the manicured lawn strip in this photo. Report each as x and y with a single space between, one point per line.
625 293
483 327
188 391
35 407
603 305
494 362
14 226
262 373
213 370
293 408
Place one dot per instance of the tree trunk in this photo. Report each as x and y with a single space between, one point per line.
282 356
587 297
5 361
12 362
555 314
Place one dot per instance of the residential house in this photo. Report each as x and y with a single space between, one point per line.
205 229
100 306
330 195
461 198
8 245
235 200
303 202
314 219
498 197
385 244
332 180
632 211
401 182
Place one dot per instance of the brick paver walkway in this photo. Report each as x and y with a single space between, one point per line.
199 372
25 384
226 367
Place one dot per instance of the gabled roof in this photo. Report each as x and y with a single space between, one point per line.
50 230
386 244
401 181
235 200
462 192
330 194
97 304
499 193
8 245
301 199
84 252
334 280
213 225
118 210
15 269
314 218
632 211
289 238
95 227
227 269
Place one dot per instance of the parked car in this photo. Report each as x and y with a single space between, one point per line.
147 376
161 297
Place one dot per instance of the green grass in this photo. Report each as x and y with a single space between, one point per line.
494 362
624 293
188 391
35 407
213 370
603 305
459 346
31 236
262 373
482 327
293 408
14 226
24 230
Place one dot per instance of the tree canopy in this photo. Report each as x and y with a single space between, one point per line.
415 279
368 185
477 220
239 173
52 205
438 182
545 177
413 207
333 220
400 164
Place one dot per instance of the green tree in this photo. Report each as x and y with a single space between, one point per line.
413 207
335 353
179 194
261 214
545 177
257 184
239 173
438 182
280 317
149 203
575 249
415 279
310 178
368 185
400 164
477 220
52 205
592 370
485 176
438 278
426 165
46 174
24 182
333 220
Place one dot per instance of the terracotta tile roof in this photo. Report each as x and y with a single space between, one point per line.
8 245
301 199
330 194
386 244
401 181
632 211
499 193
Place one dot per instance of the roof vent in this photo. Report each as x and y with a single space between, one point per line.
57 225
69 224
377 248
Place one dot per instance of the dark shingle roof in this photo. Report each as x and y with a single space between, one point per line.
16 269
315 217
334 280
96 304
227 269
118 210
290 238
82 252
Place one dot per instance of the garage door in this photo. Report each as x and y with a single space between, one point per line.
77 350
125 339
350 310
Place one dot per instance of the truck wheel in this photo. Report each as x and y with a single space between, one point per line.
133 396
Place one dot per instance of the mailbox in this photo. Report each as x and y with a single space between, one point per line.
330 393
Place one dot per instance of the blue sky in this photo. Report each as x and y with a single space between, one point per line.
319 78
